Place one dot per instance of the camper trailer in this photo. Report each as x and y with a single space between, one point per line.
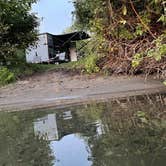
55 48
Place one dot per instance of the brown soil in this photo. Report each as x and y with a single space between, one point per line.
60 89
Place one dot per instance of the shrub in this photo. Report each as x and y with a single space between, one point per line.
91 64
6 76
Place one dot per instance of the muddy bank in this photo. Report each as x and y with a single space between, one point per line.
59 89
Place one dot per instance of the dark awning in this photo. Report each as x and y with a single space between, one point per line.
75 36
65 41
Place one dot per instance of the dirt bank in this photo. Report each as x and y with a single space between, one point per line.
59 89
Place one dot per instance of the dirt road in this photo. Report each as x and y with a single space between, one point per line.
59 89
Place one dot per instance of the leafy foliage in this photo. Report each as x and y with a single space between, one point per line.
17 27
17 32
124 29
90 64
159 50
6 76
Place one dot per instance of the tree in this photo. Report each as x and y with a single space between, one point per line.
17 27
125 30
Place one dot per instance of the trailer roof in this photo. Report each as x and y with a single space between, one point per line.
74 36
68 37
65 39
62 41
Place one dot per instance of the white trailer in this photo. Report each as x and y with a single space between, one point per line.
55 48
42 52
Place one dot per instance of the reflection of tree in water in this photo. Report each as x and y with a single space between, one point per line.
18 144
133 130
133 133
122 132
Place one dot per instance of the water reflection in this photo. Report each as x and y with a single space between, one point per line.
46 127
126 132
71 150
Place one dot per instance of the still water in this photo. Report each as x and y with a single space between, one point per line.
122 132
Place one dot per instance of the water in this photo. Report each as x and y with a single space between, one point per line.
126 132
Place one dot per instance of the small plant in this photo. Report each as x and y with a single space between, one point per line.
6 76
159 50
90 64
137 58
142 116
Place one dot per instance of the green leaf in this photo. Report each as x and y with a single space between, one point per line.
162 18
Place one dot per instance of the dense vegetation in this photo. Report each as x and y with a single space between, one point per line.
128 36
17 28
17 32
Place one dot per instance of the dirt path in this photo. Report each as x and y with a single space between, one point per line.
58 89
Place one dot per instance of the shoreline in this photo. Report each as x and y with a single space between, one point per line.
56 89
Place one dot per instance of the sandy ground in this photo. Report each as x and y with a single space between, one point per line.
56 89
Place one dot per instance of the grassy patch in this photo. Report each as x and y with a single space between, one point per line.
6 76
11 73
24 70
86 64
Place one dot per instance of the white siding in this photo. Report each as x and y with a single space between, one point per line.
38 53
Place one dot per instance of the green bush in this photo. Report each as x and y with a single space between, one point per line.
91 64
6 76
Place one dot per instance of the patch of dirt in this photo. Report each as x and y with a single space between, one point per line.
59 88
